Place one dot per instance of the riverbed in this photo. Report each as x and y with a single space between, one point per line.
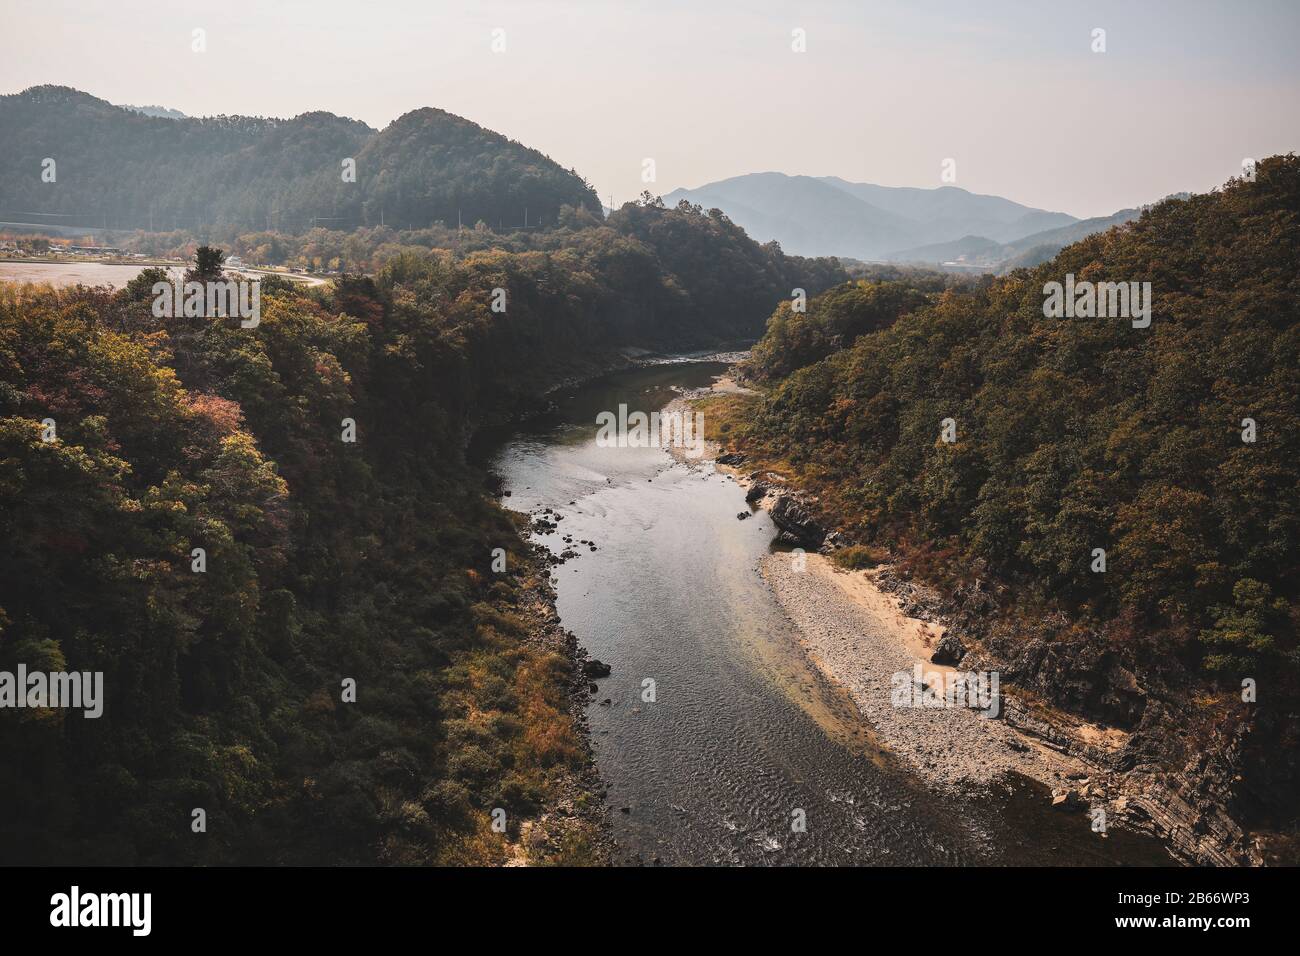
721 743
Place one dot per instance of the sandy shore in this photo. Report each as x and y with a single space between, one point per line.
858 637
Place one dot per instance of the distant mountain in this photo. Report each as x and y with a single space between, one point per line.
160 111
806 215
1042 246
830 216
954 212
116 166
960 251
979 252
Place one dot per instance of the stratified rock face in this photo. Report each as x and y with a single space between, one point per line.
1196 809
1184 780
1081 677
791 516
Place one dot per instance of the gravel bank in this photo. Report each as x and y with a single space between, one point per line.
858 637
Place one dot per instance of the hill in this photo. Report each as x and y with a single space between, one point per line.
325 559
1173 448
117 167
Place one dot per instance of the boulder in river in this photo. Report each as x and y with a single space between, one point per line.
595 668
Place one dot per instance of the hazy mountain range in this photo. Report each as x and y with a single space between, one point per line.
826 215
153 167
979 252
160 111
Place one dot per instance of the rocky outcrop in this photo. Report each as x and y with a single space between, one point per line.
1075 673
793 518
1151 774
950 650
1191 810
595 668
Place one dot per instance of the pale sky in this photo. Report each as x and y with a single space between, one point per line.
711 88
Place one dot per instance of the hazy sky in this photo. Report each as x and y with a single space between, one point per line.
711 88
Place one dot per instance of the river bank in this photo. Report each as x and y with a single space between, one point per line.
571 825
859 636
864 627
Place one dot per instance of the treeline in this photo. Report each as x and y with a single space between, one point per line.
325 559
1175 449
696 271
117 168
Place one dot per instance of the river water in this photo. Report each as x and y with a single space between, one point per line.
742 732
113 274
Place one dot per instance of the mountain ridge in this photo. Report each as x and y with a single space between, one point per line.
828 215
122 168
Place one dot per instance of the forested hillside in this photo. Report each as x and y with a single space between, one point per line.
121 169
1174 448
325 559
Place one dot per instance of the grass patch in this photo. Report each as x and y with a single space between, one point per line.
857 557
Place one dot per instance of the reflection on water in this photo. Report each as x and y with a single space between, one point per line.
742 731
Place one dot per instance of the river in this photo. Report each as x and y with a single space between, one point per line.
113 274
742 732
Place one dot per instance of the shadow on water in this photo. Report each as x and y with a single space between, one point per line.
714 731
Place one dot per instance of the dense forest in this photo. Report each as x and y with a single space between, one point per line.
1174 448
120 169
325 559
694 269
